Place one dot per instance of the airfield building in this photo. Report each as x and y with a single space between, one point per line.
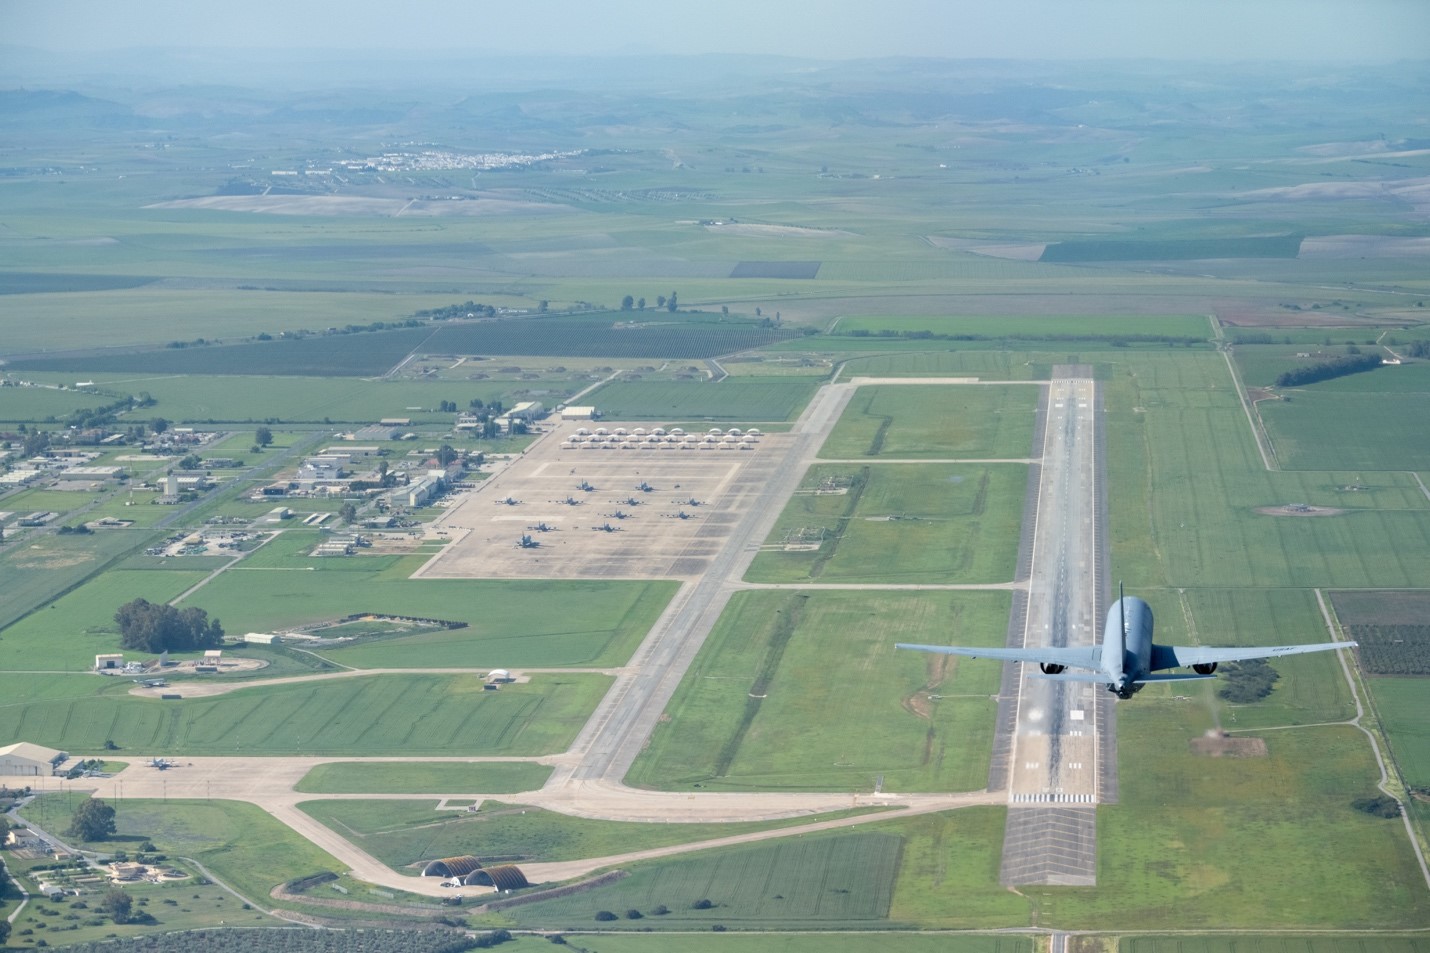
23 759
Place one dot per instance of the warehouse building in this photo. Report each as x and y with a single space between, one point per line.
23 759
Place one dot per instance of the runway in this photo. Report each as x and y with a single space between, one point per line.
1058 744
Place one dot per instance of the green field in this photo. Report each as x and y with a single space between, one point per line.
825 881
741 399
510 623
898 523
431 778
946 877
1336 430
405 833
1400 703
43 567
1182 462
1241 843
441 714
771 672
1271 944
1008 329
918 422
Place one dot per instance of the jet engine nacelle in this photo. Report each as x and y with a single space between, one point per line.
1051 668
1206 668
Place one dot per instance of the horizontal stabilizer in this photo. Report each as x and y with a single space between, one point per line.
1171 677
1056 655
1099 678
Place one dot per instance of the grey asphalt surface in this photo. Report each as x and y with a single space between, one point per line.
1053 767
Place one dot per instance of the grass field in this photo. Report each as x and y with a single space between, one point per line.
1400 703
345 716
511 623
742 399
814 881
906 523
42 567
1027 326
771 671
1190 483
912 422
403 833
1312 688
434 778
1241 843
1270 944
1338 430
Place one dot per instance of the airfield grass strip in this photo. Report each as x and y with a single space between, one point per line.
876 444
785 624
841 524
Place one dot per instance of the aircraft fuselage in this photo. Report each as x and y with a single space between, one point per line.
1127 646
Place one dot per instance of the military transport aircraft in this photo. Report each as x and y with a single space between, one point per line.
1127 659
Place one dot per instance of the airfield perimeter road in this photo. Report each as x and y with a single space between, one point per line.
1059 742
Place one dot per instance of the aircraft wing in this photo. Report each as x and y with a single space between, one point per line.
1084 657
1184 656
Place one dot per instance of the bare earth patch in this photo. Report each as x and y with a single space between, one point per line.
779 231
1215 744
1298 510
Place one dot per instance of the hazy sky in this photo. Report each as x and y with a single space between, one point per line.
835 29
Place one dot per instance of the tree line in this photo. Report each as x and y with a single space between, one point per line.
1327 370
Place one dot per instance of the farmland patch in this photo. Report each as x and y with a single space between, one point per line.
619 334
1277 246
838 879
1319 430
1390 627
911 421
745 399
766 674
27 282
775 269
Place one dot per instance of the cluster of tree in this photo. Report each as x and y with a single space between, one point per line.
1326 370
1417 349
486 415
466 309
1248 681
117 905
35 443
661 301
103 416
1380 806
92 821
153 627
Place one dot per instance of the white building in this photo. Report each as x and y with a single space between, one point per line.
23 759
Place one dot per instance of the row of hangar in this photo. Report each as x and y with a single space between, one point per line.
661 439
469 872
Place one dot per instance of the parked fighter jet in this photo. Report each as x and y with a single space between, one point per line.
1127 659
